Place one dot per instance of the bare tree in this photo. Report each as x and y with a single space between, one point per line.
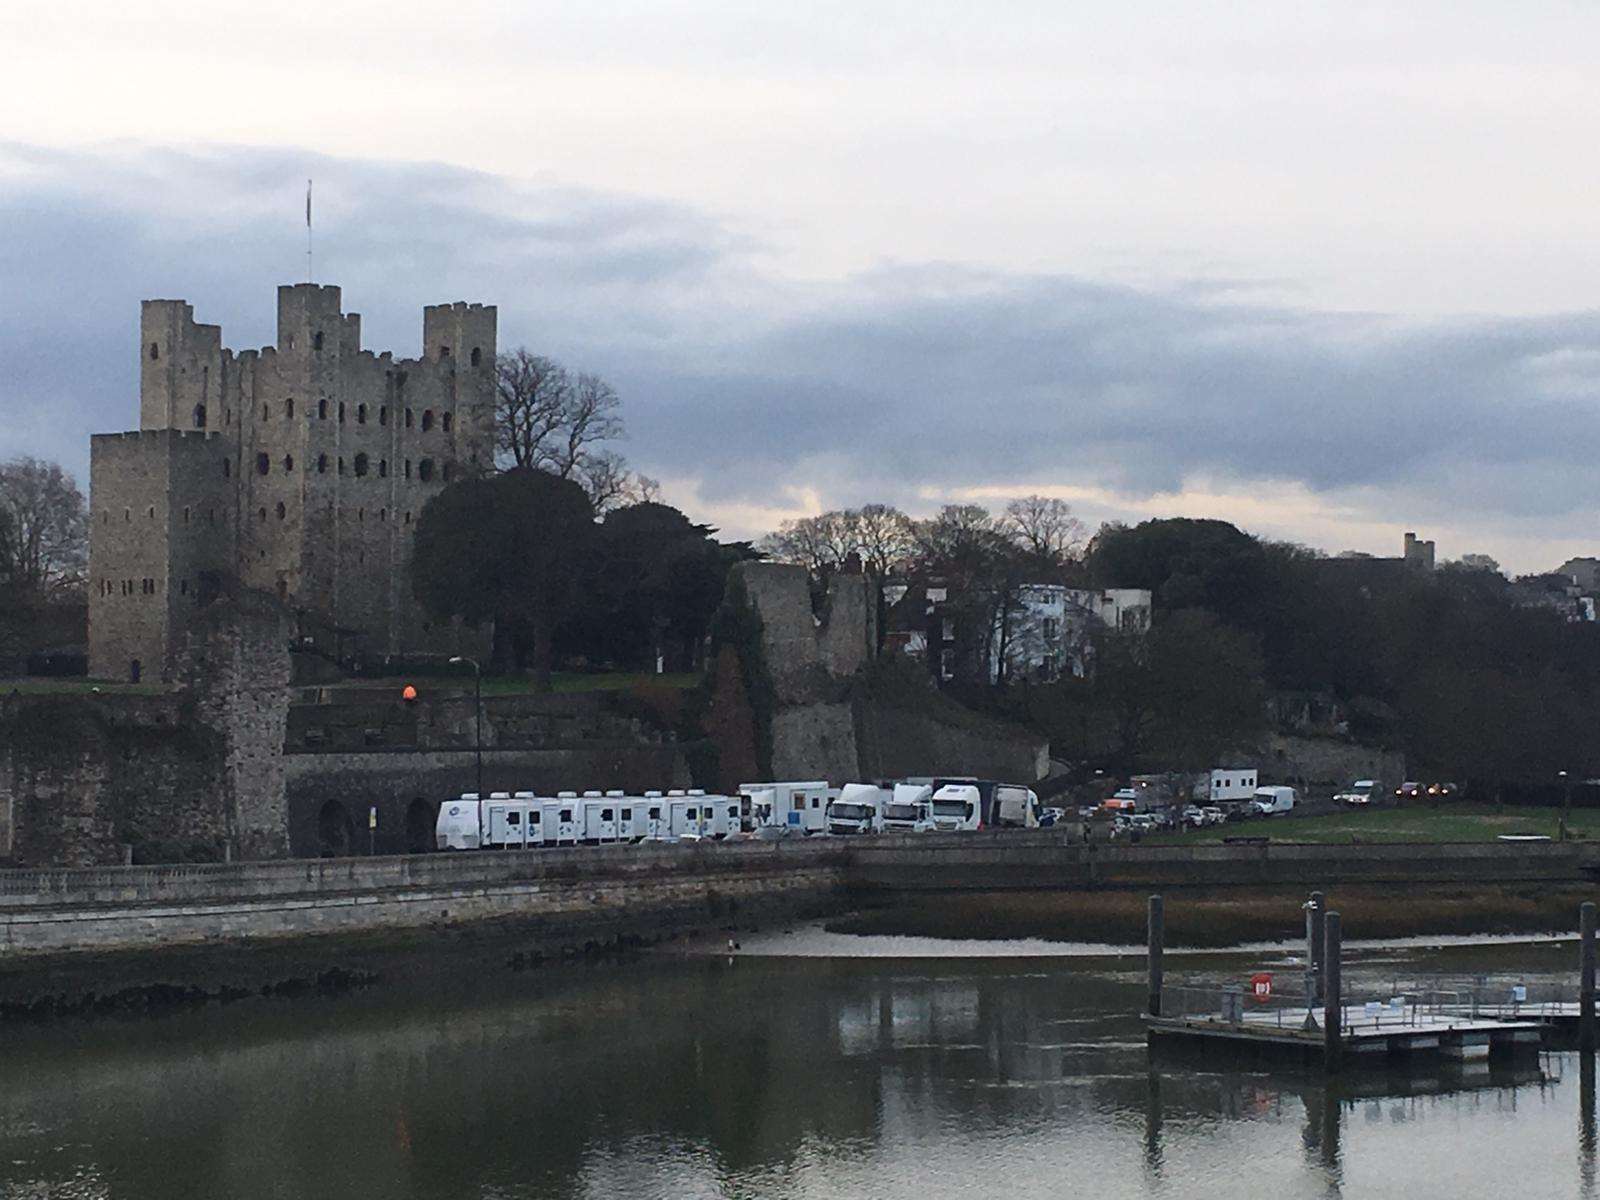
1045 528
885 538
821 543
548 419
46 544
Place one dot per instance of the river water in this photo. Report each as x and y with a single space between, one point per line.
809 1077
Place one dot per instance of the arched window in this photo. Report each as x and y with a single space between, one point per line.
383 514
361 414
263 513
383 468
425 469
155 351
199 416
341 464
185 514
282 511
446 421
361 464
266 410
322 464
288 409
263 464
477 356
383 414
427 419
322 410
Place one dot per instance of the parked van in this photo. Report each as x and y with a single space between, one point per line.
859 809
1272 800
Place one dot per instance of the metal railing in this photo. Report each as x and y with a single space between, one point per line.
1370 1010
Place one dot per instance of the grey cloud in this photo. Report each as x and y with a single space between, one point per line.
867 387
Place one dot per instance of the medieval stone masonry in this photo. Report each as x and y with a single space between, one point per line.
297 471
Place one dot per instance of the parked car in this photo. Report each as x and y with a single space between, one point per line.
1362 791
1195 817
1213 815
1051 816
1442 790
1409 790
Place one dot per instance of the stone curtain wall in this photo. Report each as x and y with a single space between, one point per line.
1326 764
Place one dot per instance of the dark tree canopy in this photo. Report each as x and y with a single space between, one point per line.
510 548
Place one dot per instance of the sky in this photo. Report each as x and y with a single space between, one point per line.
1329 272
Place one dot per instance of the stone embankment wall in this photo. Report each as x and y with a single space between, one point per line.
590 894
1327 765
575 896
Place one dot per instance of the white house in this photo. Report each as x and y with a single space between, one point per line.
1052 632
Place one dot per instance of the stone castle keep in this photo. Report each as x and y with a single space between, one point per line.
297 471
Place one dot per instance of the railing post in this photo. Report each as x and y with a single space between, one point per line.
1586 931
1155 930
1319 909
1332 993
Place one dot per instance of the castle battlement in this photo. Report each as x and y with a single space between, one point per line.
298 470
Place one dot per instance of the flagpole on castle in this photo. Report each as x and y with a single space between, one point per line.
309 277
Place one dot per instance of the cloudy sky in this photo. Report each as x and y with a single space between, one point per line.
1329 271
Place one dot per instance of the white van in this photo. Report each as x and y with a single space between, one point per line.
909 809
457 827
859 809
957 806
1269 801
778 808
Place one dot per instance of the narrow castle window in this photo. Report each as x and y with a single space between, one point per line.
263 513
361 514
127 514
263 464
383 514
383 414
152 513
383 468
265 411
425 469
361 414
408 418
341 412
361 464
408 468
282 511
288 463
444 352
288 409
316 341
183 587
199 416
227 468
446 421
427 419
322 410
322 464
155 351
408 518
341 464
185 514
477 356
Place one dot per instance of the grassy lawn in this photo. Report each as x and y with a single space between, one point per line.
73 685
1450 822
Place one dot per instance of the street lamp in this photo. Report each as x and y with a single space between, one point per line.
477 694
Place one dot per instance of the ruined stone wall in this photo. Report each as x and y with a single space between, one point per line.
1326 765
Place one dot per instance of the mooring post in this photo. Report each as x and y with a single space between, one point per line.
1331 992
1586 929
1319 909
1156 932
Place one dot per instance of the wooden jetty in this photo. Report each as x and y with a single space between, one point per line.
1324 1023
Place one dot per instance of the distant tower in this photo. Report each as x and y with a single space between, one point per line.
1418 553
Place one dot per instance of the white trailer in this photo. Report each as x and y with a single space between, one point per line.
796 808
1230 784
562 816
957 806
859 809
458 825
909 809
599 817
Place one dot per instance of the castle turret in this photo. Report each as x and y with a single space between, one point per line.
181 368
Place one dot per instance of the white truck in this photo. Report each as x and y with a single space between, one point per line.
909 809
957 806
859 809
788 808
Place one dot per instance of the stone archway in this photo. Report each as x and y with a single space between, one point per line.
421 818
334 831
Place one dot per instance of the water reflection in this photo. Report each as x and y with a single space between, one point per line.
791 1079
